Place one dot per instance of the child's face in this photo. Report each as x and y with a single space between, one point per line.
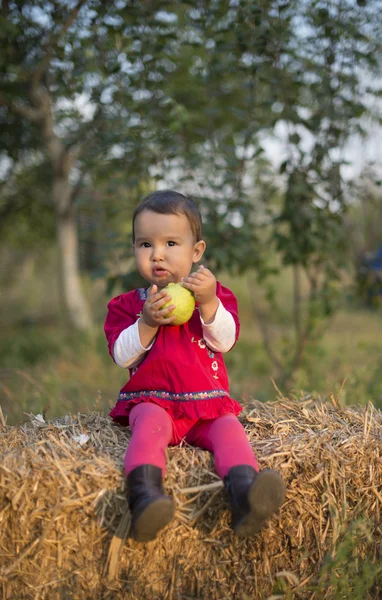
164 247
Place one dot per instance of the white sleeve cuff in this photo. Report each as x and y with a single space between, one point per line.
220 334
128 350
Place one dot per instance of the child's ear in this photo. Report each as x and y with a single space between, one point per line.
199 249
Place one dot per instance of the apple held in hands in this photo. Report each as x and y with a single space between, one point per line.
184 302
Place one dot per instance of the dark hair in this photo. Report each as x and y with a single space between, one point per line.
167 202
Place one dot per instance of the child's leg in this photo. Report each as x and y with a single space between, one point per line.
145 462
226 439
152 433
254 496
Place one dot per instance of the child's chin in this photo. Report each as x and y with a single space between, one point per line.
161 282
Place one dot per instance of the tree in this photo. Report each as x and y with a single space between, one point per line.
25 75
330 63
363 228
194 87
73 93
152 94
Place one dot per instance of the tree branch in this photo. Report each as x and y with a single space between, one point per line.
303 334
297 302
52 43
266 337
5 7
77 188
22 109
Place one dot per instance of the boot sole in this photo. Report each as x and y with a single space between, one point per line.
265 497
154 517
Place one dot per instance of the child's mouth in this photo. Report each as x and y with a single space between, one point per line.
160 272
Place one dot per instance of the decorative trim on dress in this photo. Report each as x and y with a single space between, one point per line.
123 396
142 293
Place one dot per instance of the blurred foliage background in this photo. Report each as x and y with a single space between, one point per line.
101 103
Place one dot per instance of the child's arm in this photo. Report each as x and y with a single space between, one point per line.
219 317
122 333
130 338
128 350
220 334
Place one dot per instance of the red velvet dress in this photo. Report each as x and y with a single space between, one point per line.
179 373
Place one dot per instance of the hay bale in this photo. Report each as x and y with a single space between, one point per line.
64 516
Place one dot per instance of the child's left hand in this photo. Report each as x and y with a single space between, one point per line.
203 284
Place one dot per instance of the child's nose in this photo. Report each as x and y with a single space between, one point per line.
157 254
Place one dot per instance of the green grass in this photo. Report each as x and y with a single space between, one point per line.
345 573
348 357
49 368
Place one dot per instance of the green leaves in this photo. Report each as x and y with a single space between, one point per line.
140 94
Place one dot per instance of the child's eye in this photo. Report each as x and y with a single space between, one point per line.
145 245
171 243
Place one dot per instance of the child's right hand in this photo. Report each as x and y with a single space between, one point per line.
154 314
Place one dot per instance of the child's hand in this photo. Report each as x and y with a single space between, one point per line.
154 314
203 284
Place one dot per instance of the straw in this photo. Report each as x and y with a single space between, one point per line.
65 520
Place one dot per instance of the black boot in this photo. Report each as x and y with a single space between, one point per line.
150 509
254 497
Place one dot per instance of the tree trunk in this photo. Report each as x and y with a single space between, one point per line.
62 160
76 307
40 111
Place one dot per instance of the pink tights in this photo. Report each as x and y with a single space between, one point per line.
154 430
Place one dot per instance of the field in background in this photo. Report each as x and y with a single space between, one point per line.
45 367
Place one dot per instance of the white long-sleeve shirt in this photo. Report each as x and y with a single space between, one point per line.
218 335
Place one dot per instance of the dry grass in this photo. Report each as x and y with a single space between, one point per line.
64 517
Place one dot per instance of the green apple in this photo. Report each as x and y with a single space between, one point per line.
184 303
